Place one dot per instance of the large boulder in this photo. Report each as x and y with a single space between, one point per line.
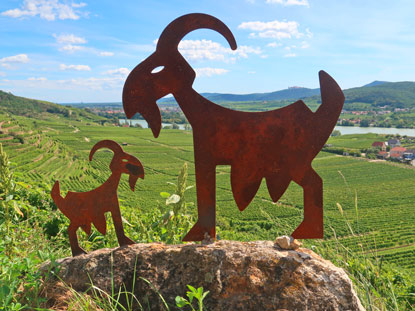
239 275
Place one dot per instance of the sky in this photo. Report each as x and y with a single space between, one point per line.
82 51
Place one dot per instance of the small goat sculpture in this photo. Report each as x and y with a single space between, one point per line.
277 145
84 208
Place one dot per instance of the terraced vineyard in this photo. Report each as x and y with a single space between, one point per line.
377 199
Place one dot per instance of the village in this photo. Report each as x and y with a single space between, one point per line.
393 150
384 116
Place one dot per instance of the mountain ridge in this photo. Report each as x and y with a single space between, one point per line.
376 93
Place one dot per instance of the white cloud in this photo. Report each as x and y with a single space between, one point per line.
103 53
19 58
69 42
274 44
244 50
40 79
2 74
290 55
119 71
15 59
274 29
70 48
76 84
290 2
209 50
305 45
46 9
75 67
78 5
69 39
208 72
96 83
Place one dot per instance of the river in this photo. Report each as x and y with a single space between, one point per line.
377 130
343 129
144 124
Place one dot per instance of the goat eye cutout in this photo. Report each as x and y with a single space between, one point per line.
157 69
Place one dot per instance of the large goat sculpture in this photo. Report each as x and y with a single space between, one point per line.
86 208
277 145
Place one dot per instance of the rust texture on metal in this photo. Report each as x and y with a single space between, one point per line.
86 208
277 145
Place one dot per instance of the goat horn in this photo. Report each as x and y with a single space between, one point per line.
177 29
110 144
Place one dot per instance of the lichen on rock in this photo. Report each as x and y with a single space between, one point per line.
239 275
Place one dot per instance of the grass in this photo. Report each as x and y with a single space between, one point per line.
382 189
374 243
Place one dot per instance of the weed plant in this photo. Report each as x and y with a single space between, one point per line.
172 219
23 242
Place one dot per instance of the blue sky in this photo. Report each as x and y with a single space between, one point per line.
80 50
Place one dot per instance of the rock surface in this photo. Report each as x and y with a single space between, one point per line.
239 275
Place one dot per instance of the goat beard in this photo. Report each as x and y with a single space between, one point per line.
132 181
149 111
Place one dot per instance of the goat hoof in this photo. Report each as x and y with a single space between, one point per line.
198 233
78 252
126 241
308 230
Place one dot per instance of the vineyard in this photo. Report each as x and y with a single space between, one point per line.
368 205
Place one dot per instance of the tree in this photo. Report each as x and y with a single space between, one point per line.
174 126
364 123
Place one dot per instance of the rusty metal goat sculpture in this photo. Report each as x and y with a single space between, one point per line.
277 145
86 208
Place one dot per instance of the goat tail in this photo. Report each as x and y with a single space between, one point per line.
56 195
332 99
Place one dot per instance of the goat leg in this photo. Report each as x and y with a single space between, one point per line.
206 203
312 225
123 240
73 239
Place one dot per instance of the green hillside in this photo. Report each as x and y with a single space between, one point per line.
392 94
21 106
369 223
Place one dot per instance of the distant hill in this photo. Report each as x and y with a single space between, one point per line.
376 93
375 83
290 93
392 94
293 93
22 106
